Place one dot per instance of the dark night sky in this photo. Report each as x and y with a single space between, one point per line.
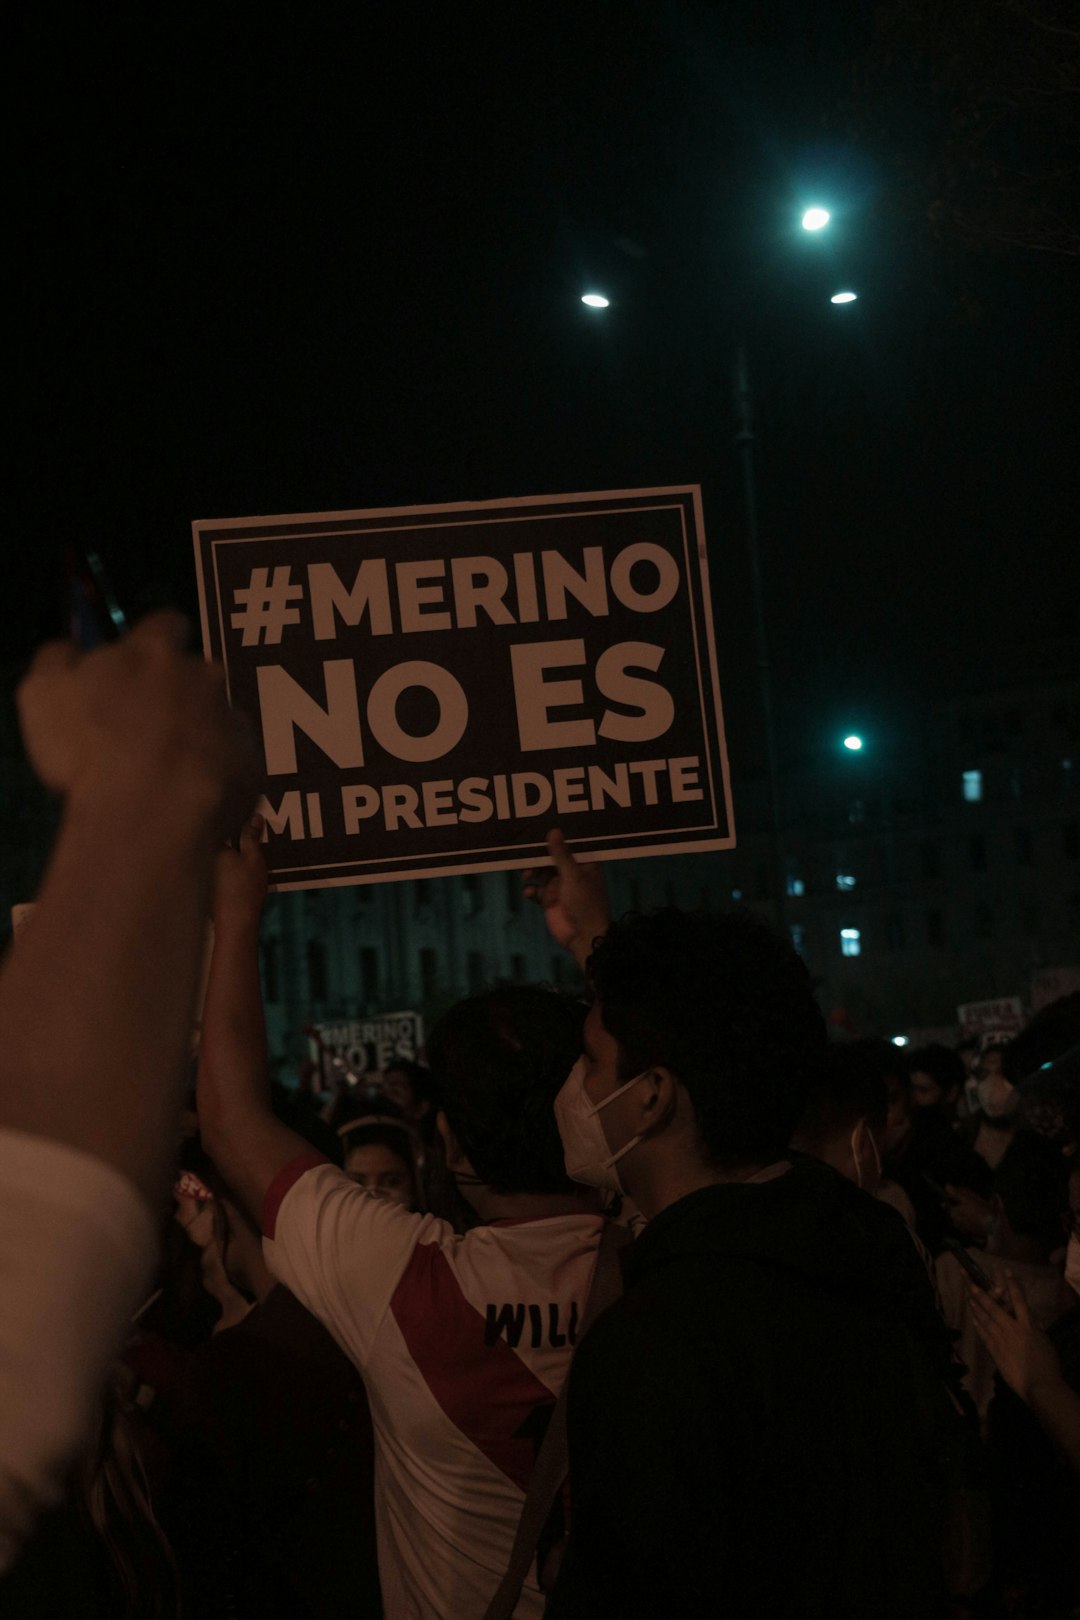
311 258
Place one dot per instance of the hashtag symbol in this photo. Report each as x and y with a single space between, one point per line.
265 606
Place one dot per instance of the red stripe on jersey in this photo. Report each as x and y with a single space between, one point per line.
287 1177
486 1390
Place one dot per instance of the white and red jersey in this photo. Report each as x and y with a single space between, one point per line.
464 1343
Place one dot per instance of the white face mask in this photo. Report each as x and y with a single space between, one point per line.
588 1158
1072 1262
995 1096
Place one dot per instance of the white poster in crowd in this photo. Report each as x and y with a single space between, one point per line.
434 687
1050 984
1003 1015
370 1046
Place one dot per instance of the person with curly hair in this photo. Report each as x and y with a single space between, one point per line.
755 1426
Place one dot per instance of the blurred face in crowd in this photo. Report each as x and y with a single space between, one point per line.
378 1169
898 1120
996 1096
399 1088
925 1091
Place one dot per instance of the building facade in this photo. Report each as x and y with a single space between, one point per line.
919 873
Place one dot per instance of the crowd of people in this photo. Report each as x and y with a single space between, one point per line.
652 1301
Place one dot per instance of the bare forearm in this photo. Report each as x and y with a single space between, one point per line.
1057 1408
240 1131
96 999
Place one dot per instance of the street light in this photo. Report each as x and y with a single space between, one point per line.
595 300
843 298
813 219
853 743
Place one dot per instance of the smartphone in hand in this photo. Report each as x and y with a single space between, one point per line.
94 614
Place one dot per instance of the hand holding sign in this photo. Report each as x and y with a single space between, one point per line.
140 720
573 896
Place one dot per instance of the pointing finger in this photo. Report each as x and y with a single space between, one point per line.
559 851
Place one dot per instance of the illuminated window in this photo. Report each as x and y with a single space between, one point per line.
850 942
973 786
845 880
796 886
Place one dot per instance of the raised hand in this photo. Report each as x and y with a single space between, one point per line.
573 896
141 720
240 879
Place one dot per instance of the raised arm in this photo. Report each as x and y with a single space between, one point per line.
95 1024
573 897
96 999
240 1131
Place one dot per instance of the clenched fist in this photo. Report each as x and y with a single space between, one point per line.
142 720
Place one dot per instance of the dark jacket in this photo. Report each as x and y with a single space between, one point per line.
755 1427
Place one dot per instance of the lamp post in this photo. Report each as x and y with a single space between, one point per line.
814 220
855 744
744 439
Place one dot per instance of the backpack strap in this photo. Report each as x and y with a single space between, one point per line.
551 1462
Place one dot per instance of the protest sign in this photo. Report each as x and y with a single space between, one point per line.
434 687
369 1046
1002 1016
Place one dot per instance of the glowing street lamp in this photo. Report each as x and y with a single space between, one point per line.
853 743
595 300
843 298
815 219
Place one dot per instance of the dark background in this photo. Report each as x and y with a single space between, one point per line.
272 260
